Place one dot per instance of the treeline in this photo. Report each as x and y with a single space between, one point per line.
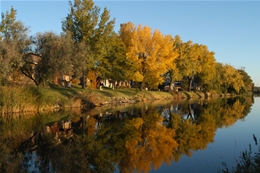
89 47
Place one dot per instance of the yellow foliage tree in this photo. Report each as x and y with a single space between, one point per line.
151 51
230 77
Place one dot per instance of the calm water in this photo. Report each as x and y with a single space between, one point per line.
179 137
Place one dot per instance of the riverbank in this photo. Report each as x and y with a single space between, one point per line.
39 99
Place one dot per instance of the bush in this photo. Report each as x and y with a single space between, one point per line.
75 81
17 99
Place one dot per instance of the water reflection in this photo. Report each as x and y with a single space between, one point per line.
131 139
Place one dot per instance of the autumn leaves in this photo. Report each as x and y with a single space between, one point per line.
157 57
151 51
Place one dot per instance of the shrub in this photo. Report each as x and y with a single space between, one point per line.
249 162
75 81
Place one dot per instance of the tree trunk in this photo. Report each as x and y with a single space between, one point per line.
190 114
142 86
83 80
170 87
27 74
113 84
190 83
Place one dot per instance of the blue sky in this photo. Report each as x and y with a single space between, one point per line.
231 29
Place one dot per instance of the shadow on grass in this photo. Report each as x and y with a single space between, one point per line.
68 92
187 95
198 94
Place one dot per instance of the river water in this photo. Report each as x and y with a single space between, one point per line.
185 136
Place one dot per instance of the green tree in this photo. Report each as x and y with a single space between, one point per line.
115 65
87 25
56 52
13 44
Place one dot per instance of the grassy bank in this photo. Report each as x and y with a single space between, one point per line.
38 99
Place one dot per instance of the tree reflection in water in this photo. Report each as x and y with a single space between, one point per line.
131 140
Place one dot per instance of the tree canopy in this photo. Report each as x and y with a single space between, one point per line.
85 23
151 51
194 59
13 44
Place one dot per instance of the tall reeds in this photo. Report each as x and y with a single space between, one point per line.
18 99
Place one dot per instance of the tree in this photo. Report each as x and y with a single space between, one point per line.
13 44
231 80
150 51
175 74
195 59
115 65
214 84
55 52
86 25
248 82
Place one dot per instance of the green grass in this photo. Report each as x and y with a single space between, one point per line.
15 99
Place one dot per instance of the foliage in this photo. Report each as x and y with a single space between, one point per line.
116 66
13 43
92 79
91 30
194 60
230 79
150 51
55 57
75 81
248 82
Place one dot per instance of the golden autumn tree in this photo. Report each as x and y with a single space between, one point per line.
231 78
151 52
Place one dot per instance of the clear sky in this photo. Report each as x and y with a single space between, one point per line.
231 29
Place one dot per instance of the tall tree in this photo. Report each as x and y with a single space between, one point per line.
13 44
151 51
87 25
195 59
116 66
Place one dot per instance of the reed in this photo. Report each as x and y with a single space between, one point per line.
17 99
248 162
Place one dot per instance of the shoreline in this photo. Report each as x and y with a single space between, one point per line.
53 98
